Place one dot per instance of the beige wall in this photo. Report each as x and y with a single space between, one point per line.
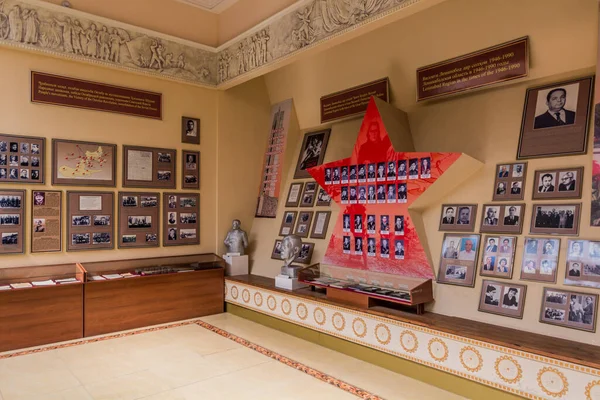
483 124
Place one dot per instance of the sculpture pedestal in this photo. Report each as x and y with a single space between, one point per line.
236 265
285 282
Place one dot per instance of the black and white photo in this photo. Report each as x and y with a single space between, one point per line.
163 175
164 158
129 238
149 201
129 201
80 238
187 218
100 238
556 106
81 220
101 220
10 219
139 222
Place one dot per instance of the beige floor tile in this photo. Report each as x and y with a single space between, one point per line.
237 359
128 387
89 370
78 393
187 369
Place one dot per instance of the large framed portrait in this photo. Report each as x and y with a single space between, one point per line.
190 130
90 221
563 183
139 219
46 221
458 259
149 167
502 298
303 224
498 256
576 310
502 218
83 163
288 223
294 193
458 217
555 119
540 259
22 159
509 182
190 167
319 228
583 263
312 152
555 219
12 221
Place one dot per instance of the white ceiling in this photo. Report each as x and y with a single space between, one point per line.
215 6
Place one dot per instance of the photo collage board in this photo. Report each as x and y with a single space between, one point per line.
139 219
90 221
22 159
12 224
181 216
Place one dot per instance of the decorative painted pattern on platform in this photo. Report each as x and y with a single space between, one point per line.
517 372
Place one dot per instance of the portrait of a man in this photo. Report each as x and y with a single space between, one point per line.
556 113
566 181
449 216
546 183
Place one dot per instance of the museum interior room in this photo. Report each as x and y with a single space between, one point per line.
290 199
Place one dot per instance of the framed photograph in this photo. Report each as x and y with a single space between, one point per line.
509 182
312 153
27 154
46 221
323 198
563 183
293 197
458 259
190 165
303 223
458 217
306 253
149 167
85 213
83 163
583 263
181 219
502 298
498 256
502 218
540 259
190 130
288 223
139 219
319 228
12 221
555 219
309 194
576 310
276 252
555 119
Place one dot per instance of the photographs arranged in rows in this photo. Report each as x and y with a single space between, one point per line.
90 216
139 219
303 224
383 171
319 227
83 163
190 130
312 152
555 119
583 263
502 218
149 167
309 194
358 244
502 298
458 217
458 259
555 219
510 181
293 197
558 184
181 223
498 256
288 223
22 159
190 177
576 310
12 214
323 198
356 224
540 259
304 257
389 193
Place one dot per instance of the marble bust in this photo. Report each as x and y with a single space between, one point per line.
237 239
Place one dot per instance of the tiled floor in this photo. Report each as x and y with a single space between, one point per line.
191 362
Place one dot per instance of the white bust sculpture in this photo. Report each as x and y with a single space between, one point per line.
236 240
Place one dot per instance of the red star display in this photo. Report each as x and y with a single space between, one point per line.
373 146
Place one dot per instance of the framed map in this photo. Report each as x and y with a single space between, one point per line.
83 163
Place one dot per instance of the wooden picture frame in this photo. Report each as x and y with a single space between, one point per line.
139 220
288 222
509 184
502 218
461 217
556 309
540 259
323 198
458 259
190 169
186 228
306 253
542 135
46 221
77 163
546 219
22 159
309 194
12 221
149 167
583 258
276 252
312 152
294 194
498 256
502 298
190 130
321 224
554 184
90 220
303 223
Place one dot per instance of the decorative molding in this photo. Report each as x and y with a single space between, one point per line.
513 371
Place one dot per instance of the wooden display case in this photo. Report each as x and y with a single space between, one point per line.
40 315
186 287
367 289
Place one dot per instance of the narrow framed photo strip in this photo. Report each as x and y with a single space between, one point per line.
46 221
575 310
540 259
139 219
149 167
22 159
312 152
303 224
294 193
555 119
583 263
502 218
498 256
552 184
323 198
190 130
319 228
181 218
78 163
555 219
12 221
306 253
309 194
90 221
288 222
502 298
190 167
509 183
458 259
458 217
276 252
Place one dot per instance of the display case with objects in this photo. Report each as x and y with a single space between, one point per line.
128 294
40 305
367 289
